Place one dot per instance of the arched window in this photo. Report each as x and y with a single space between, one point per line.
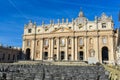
81 41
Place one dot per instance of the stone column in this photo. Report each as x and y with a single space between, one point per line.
32 49
111 50
100 49
73 49
76 49
66 50
51 49
41 49
96 48
85 47
58 48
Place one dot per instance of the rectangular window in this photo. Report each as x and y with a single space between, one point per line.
81 41
62 42
46 42
103 25
29 30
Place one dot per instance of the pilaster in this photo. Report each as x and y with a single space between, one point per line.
111 50
51 49
41 49
66 50
76 48
33 49
58 48
73 49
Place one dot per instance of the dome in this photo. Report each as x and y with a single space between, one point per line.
81 14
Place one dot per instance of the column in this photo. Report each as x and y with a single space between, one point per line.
85 47
58 48
76 49
51 49
111 50
98 48
66 50
41 49
32 49
73 49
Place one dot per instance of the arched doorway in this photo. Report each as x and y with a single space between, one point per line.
62 55
80 55
45 56
105 54
27 54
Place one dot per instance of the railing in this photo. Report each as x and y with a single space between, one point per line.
114 72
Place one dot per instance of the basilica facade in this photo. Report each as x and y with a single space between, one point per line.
78 40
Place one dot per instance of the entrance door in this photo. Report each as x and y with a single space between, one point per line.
27 56
62 55
81 55
104 54
45 56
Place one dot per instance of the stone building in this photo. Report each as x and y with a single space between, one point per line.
9 54
79 40
118 49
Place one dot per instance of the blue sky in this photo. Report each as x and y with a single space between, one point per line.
15 13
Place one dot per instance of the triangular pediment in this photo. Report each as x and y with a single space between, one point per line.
61 29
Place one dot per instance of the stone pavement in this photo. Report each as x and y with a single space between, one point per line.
51 72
